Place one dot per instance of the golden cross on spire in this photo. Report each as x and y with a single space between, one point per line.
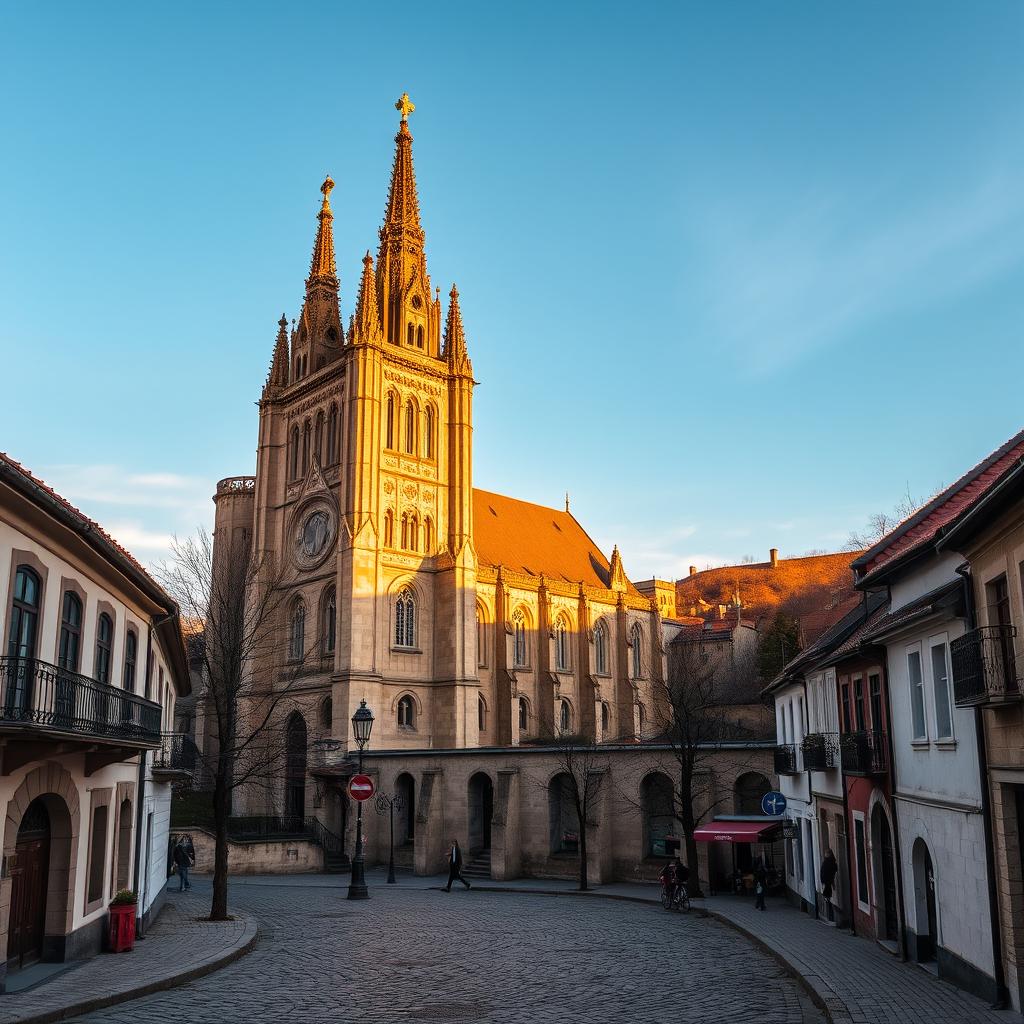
405 105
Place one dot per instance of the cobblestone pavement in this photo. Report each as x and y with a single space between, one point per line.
411 954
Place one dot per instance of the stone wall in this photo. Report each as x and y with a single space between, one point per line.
271 856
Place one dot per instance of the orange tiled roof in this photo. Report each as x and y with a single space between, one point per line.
533 539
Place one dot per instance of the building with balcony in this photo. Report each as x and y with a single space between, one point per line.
91 666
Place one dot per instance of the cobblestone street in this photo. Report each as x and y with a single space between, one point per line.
423 955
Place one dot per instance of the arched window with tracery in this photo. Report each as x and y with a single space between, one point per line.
561 646
390 421
318 438
293 457
428 432
329 625
405 619
636 640
297 630
410 427
389 529
406 713
519 639
600 649
332 435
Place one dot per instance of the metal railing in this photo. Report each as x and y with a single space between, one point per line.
785 759
985 666
821 751
285 827
35 693
864 753
178 752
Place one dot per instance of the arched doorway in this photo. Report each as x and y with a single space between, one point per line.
747 793
481 810
295 767
405 825
656 797
924 899
29 882
887 925
563 821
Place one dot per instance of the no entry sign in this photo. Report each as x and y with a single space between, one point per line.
360 787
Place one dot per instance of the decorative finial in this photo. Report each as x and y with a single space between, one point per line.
283 322
367 259
326 188
566 501
405 105
454 293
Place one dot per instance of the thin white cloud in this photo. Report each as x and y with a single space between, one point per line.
136 538
825 266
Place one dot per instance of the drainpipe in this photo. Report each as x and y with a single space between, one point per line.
140 885
998 974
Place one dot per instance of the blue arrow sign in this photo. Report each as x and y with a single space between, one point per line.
773 803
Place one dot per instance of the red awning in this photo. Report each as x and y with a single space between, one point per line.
736 832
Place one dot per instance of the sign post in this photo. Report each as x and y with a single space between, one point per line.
773 803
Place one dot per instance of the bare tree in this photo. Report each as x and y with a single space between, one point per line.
709 710
881 523
234 603
582 769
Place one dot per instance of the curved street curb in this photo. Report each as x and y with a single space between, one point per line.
825 999
247 941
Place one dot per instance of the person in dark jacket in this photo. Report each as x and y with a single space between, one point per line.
829 868
183 862
760 884
455 866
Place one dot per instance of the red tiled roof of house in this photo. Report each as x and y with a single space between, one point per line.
925 525
536 540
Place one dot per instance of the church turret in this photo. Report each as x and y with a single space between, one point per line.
455 351
277 379
319 336
460 427
410 317
365 329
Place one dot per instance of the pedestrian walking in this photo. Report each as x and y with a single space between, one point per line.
760 884
182 862
455 867
829 868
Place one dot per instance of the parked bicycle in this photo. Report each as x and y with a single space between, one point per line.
677 898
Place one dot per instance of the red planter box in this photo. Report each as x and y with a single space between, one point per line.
122 928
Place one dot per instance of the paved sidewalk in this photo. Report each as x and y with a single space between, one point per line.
178 948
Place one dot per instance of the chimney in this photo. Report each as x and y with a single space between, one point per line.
693 570
773 557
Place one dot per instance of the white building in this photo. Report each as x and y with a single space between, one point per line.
92 664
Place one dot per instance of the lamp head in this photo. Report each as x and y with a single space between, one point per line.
362 724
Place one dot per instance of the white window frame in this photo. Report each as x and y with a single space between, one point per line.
909 650
942 639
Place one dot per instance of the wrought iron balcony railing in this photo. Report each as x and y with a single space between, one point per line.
821 751
177 753
785 759
864 753
985 667
51 699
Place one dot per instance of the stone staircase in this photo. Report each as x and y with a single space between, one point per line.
478 866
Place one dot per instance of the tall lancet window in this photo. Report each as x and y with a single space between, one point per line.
636 639
405 619
390 425
428 433
600 649
410 428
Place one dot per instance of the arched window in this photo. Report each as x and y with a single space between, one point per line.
406 713
326 713
419 337
405 619
524 714
518 640
600 649
414 532
405 531
481 712
70 631
428 435
481 638
332 435
410 334
104 643
318 438
307 432
636 639
410 428
561 646
390 423
297 631
606 716
329 626
131 654
293 455
564 716
428 536
641 714
21 638
389 529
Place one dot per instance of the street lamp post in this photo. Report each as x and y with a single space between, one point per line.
388 805
362 724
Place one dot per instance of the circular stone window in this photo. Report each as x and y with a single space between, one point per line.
314 534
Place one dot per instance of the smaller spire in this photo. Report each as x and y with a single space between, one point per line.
616 573
366 323
455 338
277 379
322 264
566 501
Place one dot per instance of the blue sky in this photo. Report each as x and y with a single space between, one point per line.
734 275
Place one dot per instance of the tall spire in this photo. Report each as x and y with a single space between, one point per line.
277 379
403 209
366 323
322 264
455 338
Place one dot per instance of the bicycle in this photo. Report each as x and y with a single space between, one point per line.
679 900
